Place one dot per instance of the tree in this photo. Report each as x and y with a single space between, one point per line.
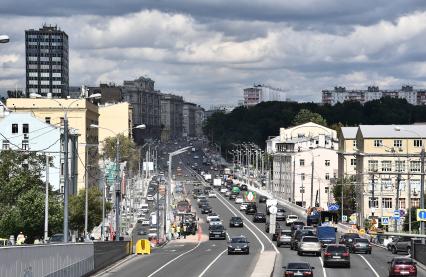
128 150
77 209
306 115
349 195
415 225
22 196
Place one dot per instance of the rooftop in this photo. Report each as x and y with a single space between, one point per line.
393 131
349 132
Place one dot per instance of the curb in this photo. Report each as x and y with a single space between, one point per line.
114 265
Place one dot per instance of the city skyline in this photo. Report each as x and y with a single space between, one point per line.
209 52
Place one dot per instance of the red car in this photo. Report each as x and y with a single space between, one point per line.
402 266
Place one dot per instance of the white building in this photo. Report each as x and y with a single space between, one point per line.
305 164
262 93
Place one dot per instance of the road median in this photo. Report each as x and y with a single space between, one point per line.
265 264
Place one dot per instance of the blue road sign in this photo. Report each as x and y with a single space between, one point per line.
396 214
385 220
333 207
421 214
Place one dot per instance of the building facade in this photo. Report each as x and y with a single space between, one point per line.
110 93
305 165
341 94
188 120
171 117
47 69
388 161
199 121
347 153
146 105
262 93
81 113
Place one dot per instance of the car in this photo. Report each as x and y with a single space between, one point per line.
284 237
210 216
149 197
297 225
309 244
205 209
236 221
308 228
347 238
201 197
298 269
215 221
297 236
202 202
259 217
140 219
223 190
232 196
227 193
360 245
212 194
217 232
142 232
243 187
280 216
145 223
238 244
57 238
239 200
402 266
243 206
262 199
277 226
251 208
276 233
335 254
290 219
401 244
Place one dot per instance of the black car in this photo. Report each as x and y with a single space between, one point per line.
280 214
347 238
217 232
251 208
236 221
202 202
206 209
259 217
232 196
302 269
276 234
243 187
297 236
262 199
336 254
238 244
360 245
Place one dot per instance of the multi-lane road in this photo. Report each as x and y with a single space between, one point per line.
193 257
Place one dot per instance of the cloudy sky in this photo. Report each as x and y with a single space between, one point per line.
209 50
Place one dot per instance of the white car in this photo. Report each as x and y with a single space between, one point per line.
290 219
239 200
145 223
201 197
243 206
150 198
212 194
211 216
223 190
215 221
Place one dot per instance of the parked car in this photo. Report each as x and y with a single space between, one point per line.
290 219
284 237
259 217
309 244
236 221
402 266
336 254
301 269
360 245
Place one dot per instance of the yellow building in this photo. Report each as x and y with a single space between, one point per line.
347 152
81 113
117 118
386 154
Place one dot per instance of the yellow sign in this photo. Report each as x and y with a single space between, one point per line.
143 247
361 232
352 218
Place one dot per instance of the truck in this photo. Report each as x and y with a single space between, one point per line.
326 235
227 171
217 182
183 207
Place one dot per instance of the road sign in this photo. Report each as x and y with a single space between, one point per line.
273 209
333 207
345 218
250 196
385 220
396 214
361 232
421 214
353 218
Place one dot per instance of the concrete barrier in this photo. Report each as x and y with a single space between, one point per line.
108 252
265 264
47 260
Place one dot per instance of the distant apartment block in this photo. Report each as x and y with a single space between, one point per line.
262 93
171 117
46 62
341 94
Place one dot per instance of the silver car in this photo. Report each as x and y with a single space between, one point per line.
309 244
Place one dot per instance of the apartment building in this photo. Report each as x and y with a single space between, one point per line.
347 153
171 116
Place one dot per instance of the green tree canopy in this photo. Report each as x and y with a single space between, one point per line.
128 150
305 116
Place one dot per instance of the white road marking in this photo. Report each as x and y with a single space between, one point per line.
323 268
158 270
371 267
210 264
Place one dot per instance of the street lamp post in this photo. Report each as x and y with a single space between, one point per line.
117 179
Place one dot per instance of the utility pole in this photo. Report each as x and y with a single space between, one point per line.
312 182
117 191
66 181
373 198
86 200
46 202
158 216
422 189
398 180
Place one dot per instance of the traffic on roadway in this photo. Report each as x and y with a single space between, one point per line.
234 226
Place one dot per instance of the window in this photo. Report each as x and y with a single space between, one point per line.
353 161
418 143
400 166
58 83
327 162
62 121
372 204
373 165
45 74
387 184
5 145
44 83
56 59
32 58
302 162
32 66
415 166
402 203
387 203
14 128
327 176
56 75
62 168
44 66
32 74
386 166
378 143
354 143
32 82
44 59
397 143
47 120
415 202
25 145
25 128
302 176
